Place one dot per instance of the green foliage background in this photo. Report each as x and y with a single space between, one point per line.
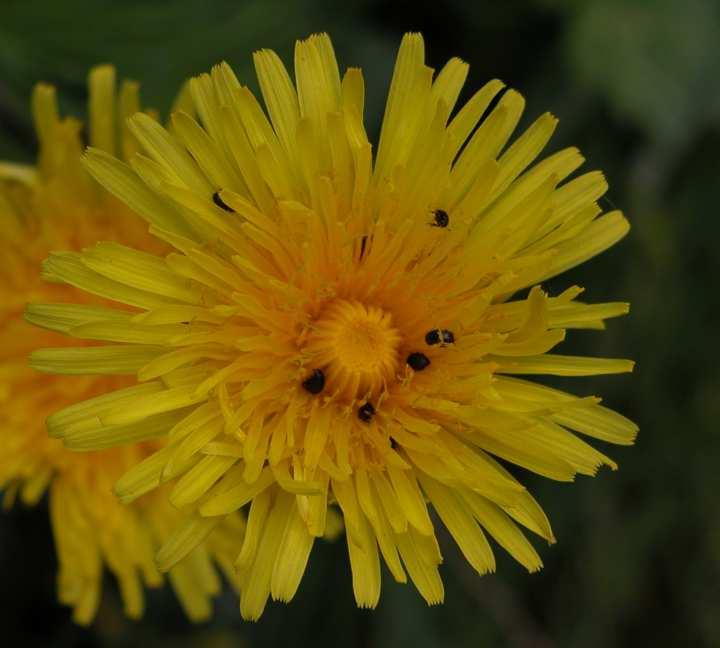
636 86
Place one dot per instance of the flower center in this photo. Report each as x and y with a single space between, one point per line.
357 348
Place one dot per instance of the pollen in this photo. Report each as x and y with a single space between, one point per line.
358 346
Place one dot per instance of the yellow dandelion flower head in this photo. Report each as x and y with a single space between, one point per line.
342 329
56 205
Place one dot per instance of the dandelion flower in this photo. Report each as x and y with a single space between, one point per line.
57 205
338 328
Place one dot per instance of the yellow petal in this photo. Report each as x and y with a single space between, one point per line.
101 82
559 365
459 521
292 557
183 540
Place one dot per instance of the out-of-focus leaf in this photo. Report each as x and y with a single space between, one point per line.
655 61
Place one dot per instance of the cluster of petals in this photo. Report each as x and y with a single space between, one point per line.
332 330
56 205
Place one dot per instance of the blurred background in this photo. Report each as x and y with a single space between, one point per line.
636 86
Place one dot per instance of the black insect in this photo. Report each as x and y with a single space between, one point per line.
433 337
366 412
219 202
439 336
448 337
315 382
363 247
418 361
440 218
